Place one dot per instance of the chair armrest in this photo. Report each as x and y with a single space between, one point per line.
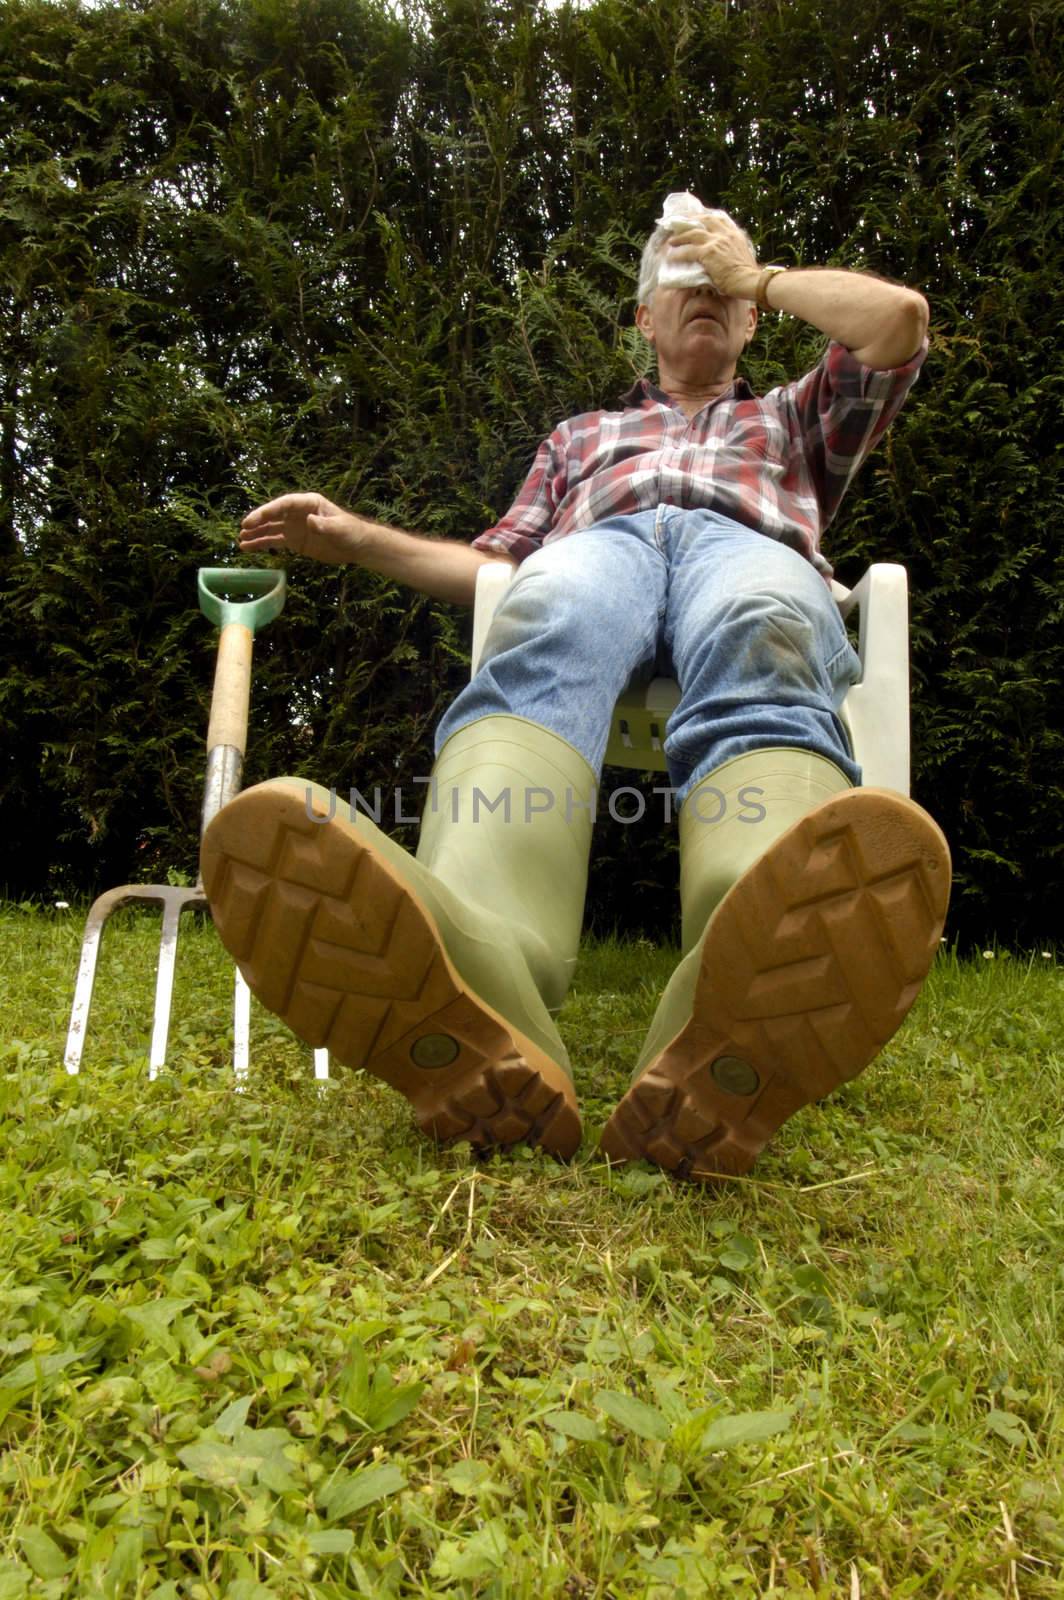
493 579
876 710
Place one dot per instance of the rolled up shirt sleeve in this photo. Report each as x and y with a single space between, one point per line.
525 526
839 411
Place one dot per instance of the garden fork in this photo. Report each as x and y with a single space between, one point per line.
238 601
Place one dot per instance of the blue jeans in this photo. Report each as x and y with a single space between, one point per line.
745 624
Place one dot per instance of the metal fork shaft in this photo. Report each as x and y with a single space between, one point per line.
225 773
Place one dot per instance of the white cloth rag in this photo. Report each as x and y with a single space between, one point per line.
679 212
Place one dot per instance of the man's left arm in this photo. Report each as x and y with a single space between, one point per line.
882 324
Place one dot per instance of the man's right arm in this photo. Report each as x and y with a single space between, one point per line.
312 526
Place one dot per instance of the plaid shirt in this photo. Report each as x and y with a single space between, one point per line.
780 464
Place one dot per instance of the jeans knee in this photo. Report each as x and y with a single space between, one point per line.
769 604
787 628
769 642
767 637
559 609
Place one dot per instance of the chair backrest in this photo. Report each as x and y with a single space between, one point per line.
875 711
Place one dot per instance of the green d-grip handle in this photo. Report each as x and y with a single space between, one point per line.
252 596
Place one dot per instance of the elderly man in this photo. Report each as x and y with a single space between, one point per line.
682 530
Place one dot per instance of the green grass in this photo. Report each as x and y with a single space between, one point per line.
277 1344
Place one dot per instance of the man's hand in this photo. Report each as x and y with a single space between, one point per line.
308 524
722 253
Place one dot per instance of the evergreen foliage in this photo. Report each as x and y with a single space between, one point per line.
254 245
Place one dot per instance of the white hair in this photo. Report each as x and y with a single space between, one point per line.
650 264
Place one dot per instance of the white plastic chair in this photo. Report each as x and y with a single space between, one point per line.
876 710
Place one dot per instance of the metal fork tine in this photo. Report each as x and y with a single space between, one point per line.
90 949
173 901
241 1029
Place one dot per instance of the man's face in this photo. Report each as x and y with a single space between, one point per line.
699 335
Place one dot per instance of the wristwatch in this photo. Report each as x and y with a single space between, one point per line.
767 273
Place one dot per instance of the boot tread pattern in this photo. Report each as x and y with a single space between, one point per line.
808 967
333 941
510 1105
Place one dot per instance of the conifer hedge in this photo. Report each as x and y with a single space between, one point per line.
254 245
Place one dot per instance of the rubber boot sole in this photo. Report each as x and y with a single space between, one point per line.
808 966
332 939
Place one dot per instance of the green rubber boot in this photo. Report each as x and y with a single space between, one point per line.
437 974
811 914
525 798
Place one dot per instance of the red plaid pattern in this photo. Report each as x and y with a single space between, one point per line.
780 464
